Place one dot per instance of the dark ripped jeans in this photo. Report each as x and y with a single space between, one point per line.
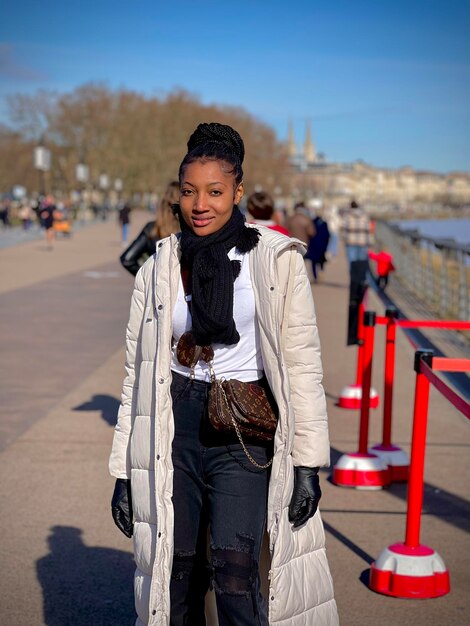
212 488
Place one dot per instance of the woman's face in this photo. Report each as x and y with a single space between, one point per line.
207 196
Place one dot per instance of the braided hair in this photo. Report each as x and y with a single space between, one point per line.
216 142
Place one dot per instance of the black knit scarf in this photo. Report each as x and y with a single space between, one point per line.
212 277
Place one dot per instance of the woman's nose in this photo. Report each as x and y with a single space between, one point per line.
201 203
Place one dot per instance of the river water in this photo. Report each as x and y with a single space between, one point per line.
457 229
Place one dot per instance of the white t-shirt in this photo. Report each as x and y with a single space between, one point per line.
241 360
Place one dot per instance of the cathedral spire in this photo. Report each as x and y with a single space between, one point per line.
310 154
291 146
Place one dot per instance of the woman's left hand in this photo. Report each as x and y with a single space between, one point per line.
306 495
121 506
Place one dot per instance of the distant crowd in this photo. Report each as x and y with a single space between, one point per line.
319 228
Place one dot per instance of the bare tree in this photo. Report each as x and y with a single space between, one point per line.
130 136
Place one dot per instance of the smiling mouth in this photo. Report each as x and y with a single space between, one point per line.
199 222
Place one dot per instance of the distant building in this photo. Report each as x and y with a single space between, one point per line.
305 159
312 176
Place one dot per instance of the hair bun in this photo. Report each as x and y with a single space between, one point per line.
214 132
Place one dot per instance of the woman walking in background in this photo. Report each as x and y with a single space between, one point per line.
124 221
222 301
165 223
333 220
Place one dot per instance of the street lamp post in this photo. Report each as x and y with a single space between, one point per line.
82 174
103 183
42 163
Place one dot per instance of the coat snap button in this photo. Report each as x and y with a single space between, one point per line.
161 381
160 306
272 597
271 289
159 534
158 457
160 245
154 612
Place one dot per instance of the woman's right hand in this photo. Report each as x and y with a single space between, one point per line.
121 506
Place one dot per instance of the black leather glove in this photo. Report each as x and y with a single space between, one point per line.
306 495
121 506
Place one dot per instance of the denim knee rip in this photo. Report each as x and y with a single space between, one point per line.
234 568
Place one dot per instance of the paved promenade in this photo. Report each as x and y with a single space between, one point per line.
63 561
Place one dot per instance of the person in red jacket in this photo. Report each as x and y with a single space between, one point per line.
260 207
385 265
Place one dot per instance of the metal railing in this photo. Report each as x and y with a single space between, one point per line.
437 271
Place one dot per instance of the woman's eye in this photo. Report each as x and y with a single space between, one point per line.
185 192
216 192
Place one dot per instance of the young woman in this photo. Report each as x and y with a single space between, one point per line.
243 291
165 223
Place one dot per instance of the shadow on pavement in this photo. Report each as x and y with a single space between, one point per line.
364 577
438 502
348 543
108 405
83 585
332 396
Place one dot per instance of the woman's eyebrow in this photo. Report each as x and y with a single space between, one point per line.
215 182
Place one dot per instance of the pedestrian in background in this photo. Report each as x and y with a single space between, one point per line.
25 214
46 216
210 303
333 219
165 223
5 212
124 220
300 225
384 261
356 232
260 206
318 245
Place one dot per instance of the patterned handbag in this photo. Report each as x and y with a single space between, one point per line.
244 408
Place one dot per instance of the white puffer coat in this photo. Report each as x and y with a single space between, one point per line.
300 586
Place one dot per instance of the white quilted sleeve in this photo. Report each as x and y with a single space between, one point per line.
303 359
119 464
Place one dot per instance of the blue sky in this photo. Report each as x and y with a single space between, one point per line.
385 81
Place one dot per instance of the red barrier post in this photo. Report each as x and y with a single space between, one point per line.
362 469
409 569
368 351
418 449
351 396
395 457
389 374
360 346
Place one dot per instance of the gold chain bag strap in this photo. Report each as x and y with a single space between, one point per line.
245 408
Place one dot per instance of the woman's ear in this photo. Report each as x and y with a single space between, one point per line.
239 191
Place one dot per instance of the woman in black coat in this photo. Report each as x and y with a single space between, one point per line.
165 223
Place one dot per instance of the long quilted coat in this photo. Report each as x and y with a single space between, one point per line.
300 585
